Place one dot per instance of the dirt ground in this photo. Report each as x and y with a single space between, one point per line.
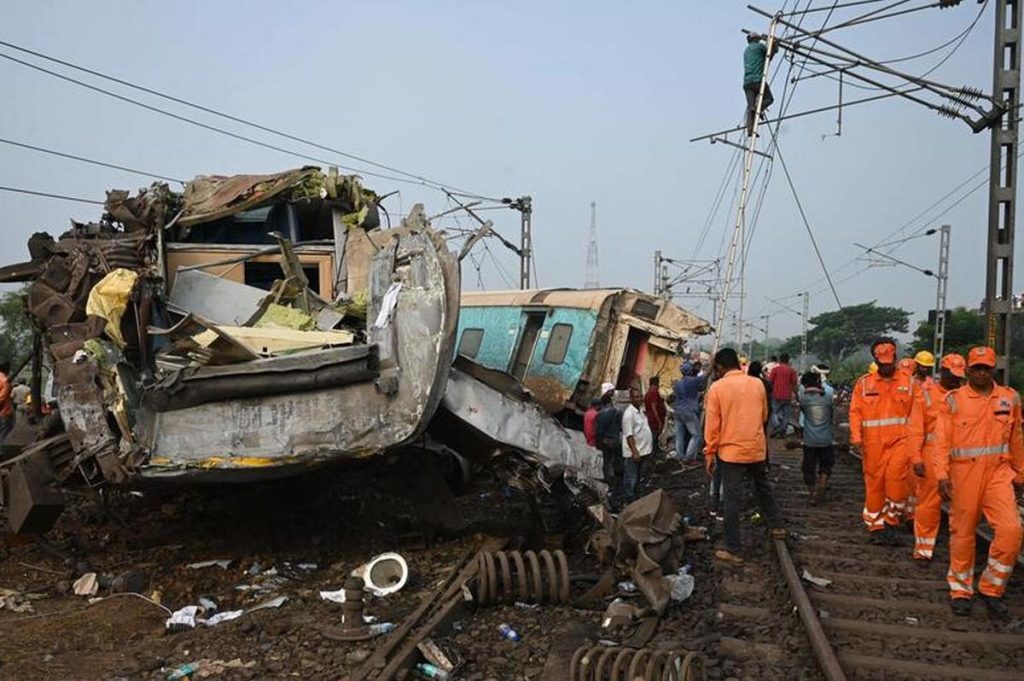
297 537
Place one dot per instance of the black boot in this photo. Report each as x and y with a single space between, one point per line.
997 610
960 606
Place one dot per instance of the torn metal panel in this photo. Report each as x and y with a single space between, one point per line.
308 426
524 426
220 300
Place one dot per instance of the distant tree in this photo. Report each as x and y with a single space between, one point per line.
964 329
15 328
837 334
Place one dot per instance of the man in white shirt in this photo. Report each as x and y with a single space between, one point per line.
637 443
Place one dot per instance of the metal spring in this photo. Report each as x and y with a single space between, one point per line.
601 663
505 576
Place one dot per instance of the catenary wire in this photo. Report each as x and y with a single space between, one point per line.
92 161
49 195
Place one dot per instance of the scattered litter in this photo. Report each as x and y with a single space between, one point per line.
816 581
823 614
307 566
181 620
255 569
435 656
225 616
381 628
209 563
15 601
682 584
185 671
912 621
526 606
208 605
619 613
272 603
508 632
333 596
86 585
607 642
467 594
805 537
387 306
627 587
384 574
432 671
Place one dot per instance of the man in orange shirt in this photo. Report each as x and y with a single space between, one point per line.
978 458
928 513
736 411
886 426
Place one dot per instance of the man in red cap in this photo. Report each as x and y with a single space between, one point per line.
886 426
928 512
978 458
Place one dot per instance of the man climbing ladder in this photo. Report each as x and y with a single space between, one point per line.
753 72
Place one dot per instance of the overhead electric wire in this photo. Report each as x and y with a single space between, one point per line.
92 161
420 179
49 195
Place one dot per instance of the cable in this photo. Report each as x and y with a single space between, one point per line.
237 119
83 159
807 224
48 195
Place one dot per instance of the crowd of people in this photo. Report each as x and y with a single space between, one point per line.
924 433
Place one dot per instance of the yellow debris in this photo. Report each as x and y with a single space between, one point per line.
109 299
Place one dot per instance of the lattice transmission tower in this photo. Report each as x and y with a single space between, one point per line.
593 276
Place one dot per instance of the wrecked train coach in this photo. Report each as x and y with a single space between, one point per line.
248 327
562 344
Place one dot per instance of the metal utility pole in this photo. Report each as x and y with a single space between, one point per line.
803 340
940 292
593 272
666 290
1003 185
657 273
525 208
764 348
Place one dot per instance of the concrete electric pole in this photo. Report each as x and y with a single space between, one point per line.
657 273
593 272
1003 184
940 292
524 204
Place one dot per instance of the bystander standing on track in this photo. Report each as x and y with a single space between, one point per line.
887 425
979 457
637 444
818 435
737 410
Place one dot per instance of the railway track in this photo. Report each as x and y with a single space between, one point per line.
881 616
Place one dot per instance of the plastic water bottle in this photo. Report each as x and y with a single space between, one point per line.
183 672
682 584
381 628
432 672
508 632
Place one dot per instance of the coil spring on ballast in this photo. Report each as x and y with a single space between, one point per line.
505 576
601 663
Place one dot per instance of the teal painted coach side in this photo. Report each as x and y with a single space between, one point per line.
501 326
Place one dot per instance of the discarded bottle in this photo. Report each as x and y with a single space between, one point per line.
756 518
381 628
183 672
432 672
508 632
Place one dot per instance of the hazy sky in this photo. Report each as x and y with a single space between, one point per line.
570 102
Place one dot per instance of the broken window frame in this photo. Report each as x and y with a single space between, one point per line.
563 349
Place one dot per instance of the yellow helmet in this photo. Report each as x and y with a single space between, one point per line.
873 368
925 358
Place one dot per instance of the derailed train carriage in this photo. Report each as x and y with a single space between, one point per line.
257 326
249 327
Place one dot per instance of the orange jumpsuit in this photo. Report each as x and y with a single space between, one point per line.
887 422
928 513
979 449
914 482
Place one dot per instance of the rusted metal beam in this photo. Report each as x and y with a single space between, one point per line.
819 642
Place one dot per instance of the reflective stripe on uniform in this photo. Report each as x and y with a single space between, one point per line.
994 564
928 541
960 581
876 423
923 553
989 577
969 452
930 437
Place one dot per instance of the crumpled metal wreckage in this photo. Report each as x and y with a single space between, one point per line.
249 327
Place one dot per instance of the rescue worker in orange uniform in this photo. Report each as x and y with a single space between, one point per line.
928 512
922 365
979 457
887 427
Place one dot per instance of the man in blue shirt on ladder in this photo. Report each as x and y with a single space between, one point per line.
753 71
